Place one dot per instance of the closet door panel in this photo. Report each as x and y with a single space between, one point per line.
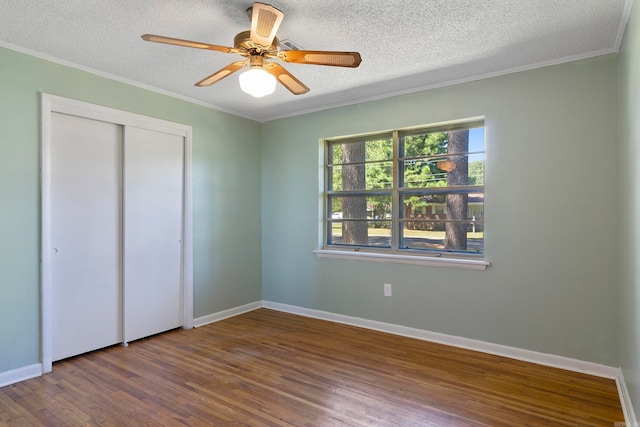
153 206
85 235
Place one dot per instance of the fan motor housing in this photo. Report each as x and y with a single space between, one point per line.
243 41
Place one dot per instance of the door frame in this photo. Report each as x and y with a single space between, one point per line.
57 104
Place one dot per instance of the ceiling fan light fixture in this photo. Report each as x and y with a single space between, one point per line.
257 82
256 46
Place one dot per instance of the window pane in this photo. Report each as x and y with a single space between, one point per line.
448 221
360 220
476 169
444 171
361 151
427 144
360 207
435 143
378 233
368 176
436 236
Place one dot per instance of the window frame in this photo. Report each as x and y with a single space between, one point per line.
393 252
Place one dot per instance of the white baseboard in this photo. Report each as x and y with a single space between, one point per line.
20 374
625 400
221 315
471 344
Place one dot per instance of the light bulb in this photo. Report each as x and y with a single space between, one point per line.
257 82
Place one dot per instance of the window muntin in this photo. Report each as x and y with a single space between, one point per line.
419 191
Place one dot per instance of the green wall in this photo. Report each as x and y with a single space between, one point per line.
552 208
226 194
630 207
551 215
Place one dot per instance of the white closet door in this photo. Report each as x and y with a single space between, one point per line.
85 235
153 188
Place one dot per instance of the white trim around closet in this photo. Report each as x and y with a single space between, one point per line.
52 103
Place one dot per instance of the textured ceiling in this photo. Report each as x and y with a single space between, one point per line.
405 44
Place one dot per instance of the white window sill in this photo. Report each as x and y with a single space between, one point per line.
431 261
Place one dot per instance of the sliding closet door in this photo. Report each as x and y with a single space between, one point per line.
85 235
153 206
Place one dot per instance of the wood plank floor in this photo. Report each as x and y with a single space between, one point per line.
267 368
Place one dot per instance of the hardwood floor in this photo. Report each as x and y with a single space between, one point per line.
267 368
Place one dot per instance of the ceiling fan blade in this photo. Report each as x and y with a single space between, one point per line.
187 43
286 79
265 21
319 57
222 73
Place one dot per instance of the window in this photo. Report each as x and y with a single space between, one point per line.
416 191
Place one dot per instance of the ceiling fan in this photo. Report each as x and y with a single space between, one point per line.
258 45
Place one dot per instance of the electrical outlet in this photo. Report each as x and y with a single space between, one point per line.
387 289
